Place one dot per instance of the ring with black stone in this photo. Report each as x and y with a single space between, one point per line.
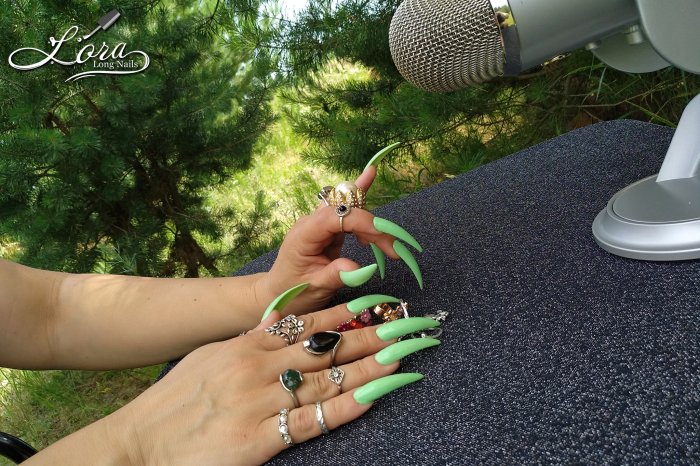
341 211
291 379
321 343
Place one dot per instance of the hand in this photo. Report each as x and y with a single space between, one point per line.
221 404
310 254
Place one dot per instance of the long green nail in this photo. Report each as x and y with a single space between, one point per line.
376 389
380 155
408 258
385 226
381 259
282 300
400 327
357 305
403 348
359 276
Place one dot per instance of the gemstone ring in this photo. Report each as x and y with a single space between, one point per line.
321 343
291 379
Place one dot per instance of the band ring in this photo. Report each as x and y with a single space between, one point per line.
291 379
288 328
319 418
284 427
336 375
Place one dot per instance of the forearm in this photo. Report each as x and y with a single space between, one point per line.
104 442
111 321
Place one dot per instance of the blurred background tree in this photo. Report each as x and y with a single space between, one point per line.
111 172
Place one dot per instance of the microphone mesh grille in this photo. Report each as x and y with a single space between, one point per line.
445 45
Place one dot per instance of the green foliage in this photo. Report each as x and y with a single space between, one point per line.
43 407
109 173
347 120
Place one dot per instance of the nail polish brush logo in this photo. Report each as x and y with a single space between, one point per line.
105 60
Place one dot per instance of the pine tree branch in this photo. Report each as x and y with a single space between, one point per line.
52 118
91 104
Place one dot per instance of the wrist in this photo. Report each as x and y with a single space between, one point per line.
263 293
100 443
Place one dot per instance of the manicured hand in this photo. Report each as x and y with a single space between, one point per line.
310 253
222 403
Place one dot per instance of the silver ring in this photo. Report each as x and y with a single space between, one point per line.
336 376
284 428
288 328
324 193
291 379
319 418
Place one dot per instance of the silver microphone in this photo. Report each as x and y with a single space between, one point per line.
445 45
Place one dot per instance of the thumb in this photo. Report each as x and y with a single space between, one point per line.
343 272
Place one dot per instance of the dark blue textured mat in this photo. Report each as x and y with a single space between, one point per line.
555 351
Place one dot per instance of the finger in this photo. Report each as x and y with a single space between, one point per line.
366 178
307 325
303 425
337 348
329 319
325 224
343 272
321 386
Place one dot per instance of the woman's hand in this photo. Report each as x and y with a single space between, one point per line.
310 254
221 404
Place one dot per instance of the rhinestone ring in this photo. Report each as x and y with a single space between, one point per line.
336 376
284 428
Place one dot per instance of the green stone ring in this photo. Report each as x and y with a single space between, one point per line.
291 379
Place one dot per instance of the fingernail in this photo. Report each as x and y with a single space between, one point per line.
282 300
381 259
385 226
403 348
408 258
380 155
400 327
359 276
376 389
357 305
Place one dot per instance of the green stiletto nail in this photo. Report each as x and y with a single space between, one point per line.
385 226
408 258
401 327
379 156
381 259
403 348
359 276
376 389
282 300
357 305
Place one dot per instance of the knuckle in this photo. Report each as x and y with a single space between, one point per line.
364 370
309 324
304 421
322 386
364 338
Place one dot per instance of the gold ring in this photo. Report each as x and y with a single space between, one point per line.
345 193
